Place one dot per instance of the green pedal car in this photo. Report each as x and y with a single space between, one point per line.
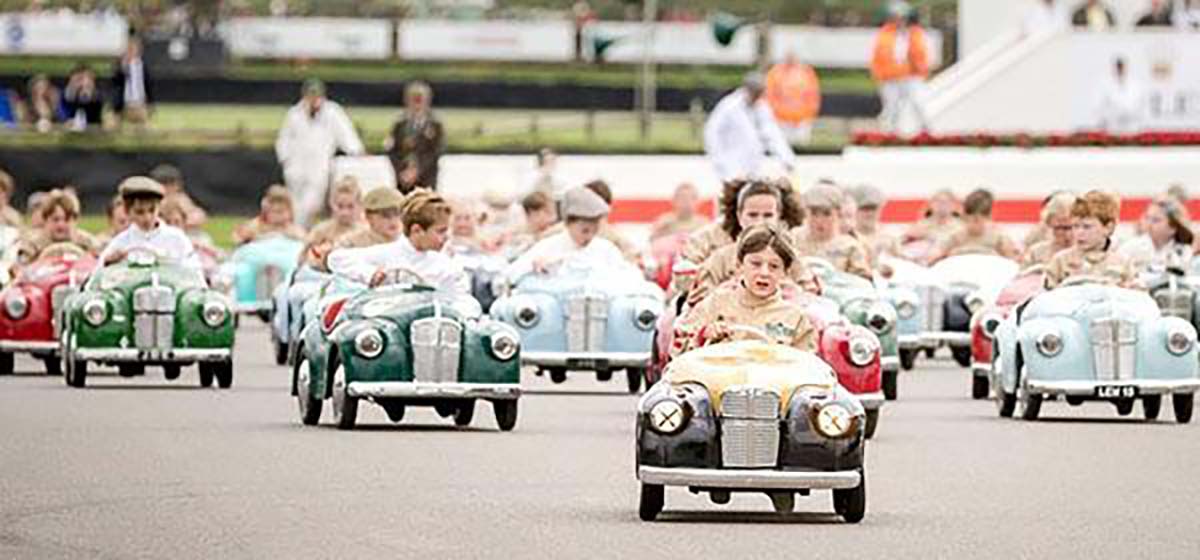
143 312
405 344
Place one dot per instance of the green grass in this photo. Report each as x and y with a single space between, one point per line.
219 227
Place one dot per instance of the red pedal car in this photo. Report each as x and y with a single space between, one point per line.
984 323
29 322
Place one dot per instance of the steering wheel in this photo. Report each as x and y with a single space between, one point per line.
819 266
141 255
62 250
1033 269
401 276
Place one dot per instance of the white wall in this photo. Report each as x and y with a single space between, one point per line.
56 33
980 21
337 38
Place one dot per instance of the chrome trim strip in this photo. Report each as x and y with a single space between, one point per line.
980 369
173 355
890 363
910 341
559 359
33 346
1088 387
249 307
871 401
751 479
947 337
390 389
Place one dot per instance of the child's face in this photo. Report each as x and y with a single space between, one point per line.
4 198
976 225
118 219
942 206
59 225
385 222
432 239
277 214
867 218
542 219
175 219
1090 233
143 213
463 222
346 209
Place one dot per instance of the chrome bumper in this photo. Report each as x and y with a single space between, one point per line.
980 369
1088 388
29 346
890 363
135 355
249 307
401 389
910 341
750 479
946 337
871 401
614 360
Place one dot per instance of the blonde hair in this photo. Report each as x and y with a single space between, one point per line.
59 198
423 208
346 186
277 194
1057 205
172 205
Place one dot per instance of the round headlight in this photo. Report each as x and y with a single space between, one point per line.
645 318
834 421
1179 341
989 324
862 351
214 313
879 318
369 343
504 345
526 316
668 417
1049 344
95 312
16 305
974 302
906 309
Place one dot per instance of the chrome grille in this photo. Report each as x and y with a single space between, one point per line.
749 428
265 283
933 299
587 317
1114 347
1175 303
154 318
58 296
436 345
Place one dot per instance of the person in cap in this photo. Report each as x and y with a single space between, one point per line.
741 134
147 231
502 216
869 201
171 178
313 131
580 241
821 235
684 217
1167 242
382 207
1094 256
426 218
417 139
601 188
276 216
978 235
33 205
58 215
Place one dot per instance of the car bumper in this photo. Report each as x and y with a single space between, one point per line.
587 360
871 401
910 341
1088 388
890 363
401 389
750 479
29 346
950 338
135 355
249 307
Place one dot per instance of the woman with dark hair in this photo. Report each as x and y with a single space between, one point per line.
1167 240
755 306
744 202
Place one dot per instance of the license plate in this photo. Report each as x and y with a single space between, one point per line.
1117 391
586 364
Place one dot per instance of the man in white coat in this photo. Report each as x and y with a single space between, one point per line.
741 133
312 132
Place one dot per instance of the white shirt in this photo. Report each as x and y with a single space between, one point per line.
738 136
1143 256
1042 19
168 243
307 143
599 253
434 267
1122 107
135 83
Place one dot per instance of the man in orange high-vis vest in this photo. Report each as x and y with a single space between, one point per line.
900 63
794 94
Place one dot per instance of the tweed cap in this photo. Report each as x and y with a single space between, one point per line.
581 202
382 198
140 186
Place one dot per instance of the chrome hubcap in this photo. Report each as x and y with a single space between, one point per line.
339 392
303 385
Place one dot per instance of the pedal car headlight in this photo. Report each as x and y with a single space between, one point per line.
668 417
214 313
16 305
504 345
1049 344
95 312
861 351
526 316
879 318
906 309
989 324
834 421
1179 341
369 344
644 317
974 302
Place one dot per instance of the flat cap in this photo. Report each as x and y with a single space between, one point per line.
581 202
867 196
383 198
140 186
312 86
822 195
166 173
755 81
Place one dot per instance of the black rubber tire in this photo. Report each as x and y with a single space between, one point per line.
962 355
1124 407
465 413
908 359
264 315
7 363
872 422
890 381
1184 404
281 353
1151 406
851 504
76 374
784 502
172 371
1032 407
633 379
604 375
206 375
309 407
558 375
651 501
131 370
53 366
930 352
980 387
223 371
506 414
1006 404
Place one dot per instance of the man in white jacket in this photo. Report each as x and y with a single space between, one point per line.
312 132
426 218
583 210
741 133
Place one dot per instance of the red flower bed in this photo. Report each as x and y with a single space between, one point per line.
983 140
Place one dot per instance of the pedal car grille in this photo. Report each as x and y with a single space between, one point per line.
266 281
154 317
1175 303
57 297
934 301
436 345
1114 347
587 317
749 428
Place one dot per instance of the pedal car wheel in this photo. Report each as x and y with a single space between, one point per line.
558 375
851 504
1184 404
506 414
76 373
206 375
345 407
309 406
783 502
890 380
53 366
908 359
395 411
1151 406
6 363
651 502
604 375
172 371
281 353
1031 404
1124 407
872 422
633 378
464 413
224 374
131 370
930 352
979 387
962 355
1006 403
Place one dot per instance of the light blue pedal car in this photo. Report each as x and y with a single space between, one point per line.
257 268
1091 342
287 312
584 318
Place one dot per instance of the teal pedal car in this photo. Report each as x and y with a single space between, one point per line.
404 344
144 312
256 269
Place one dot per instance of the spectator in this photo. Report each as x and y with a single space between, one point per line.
1122 103
171 178
794 94
133 96
417 138
683 218
8 215
900 64
1094 16
82 100
1160 15
313 131
1188 15
741 133
43 109
1044 17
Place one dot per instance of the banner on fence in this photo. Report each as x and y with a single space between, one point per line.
546 41
844 47
54 33
336 38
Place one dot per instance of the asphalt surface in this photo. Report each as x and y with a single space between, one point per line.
146 468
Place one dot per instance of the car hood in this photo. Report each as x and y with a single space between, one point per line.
626 281
775 367
401 305
989 272
1087 303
